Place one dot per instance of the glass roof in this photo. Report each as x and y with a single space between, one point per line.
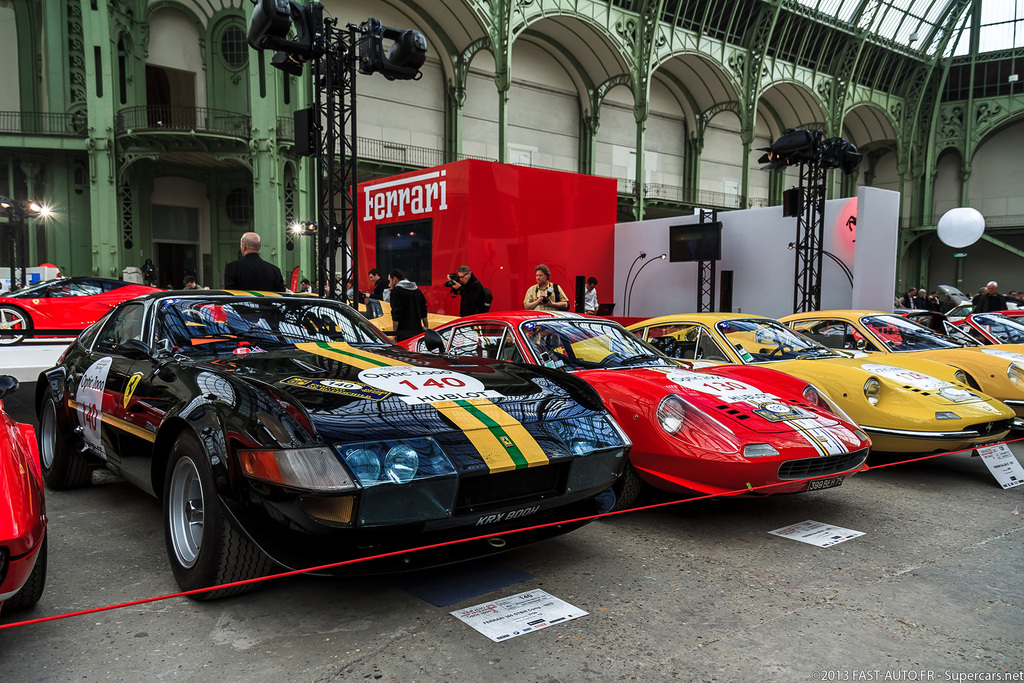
913 23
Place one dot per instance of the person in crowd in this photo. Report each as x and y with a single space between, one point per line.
380 285
190 283
934 302
149 273
915 298
465 284
304 286
251 272
545 295
991 300
408 307
590 298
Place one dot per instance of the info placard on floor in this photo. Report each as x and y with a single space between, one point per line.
515 615
817 533
1003 465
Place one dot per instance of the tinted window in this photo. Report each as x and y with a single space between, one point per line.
122 325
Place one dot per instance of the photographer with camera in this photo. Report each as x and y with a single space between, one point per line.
464 284
545 295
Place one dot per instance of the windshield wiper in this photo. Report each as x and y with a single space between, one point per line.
640 356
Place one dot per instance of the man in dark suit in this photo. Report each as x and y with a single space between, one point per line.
408 307
251 272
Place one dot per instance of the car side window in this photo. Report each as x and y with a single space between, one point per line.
480 341
675 340
124 324
835 334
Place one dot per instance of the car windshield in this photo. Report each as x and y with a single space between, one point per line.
899 334
1003 328
205 325
585 343
761 341
39 289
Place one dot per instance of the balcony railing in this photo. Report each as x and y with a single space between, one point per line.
43 123
180 118
688 195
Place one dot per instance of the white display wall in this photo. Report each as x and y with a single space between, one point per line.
754 247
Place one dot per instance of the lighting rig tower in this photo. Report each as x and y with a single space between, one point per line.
327 130
815 155
16 211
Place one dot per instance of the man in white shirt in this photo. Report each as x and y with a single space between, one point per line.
590 299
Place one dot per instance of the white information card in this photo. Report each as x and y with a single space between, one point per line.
515 615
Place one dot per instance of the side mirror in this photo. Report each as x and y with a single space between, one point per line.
133 349
434 341
861 344
7 385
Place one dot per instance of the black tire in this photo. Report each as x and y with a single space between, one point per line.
59 450
12 317
203 546
627 488
33 588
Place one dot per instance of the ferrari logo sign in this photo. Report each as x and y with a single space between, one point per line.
506 442
133 382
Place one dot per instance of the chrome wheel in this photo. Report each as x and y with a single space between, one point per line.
185 512
12 319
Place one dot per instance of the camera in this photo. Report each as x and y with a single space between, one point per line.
452 279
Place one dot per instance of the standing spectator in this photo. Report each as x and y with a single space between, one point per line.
470 289
915 298
380 285
590 298
304 286
934 302
149 272
190 283
991 300
545 295
408 307
251 272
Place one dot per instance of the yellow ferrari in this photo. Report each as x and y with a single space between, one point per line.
997 370
906 404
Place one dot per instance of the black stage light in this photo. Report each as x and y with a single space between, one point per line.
272 21
404 58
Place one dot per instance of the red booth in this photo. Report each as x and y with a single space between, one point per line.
498 219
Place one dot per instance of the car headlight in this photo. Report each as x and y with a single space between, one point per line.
960 376
813 396
671 414
872 390
1016 373
585 435
313 469
759 450
401 464
395 462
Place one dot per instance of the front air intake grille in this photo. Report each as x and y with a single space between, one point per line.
989 428
817 467
507 488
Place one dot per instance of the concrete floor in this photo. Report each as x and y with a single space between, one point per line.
695 592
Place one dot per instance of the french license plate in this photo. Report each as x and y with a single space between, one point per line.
819 484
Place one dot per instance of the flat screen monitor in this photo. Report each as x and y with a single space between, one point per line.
695 242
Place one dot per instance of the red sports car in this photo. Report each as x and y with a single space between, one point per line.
70 303
23 515
994 328
720 429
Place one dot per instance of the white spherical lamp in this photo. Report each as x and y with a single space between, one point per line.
961 227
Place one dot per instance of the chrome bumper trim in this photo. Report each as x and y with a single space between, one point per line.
969 434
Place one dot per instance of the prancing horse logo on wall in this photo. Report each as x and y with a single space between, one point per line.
130 389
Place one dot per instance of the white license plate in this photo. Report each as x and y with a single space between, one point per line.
819 484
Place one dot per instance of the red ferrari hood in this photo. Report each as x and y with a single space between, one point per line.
737 404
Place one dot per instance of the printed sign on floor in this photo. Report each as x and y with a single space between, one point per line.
817 533
1003 465
515 615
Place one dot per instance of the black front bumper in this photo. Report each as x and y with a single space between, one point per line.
409 547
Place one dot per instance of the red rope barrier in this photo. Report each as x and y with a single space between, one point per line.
295 572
